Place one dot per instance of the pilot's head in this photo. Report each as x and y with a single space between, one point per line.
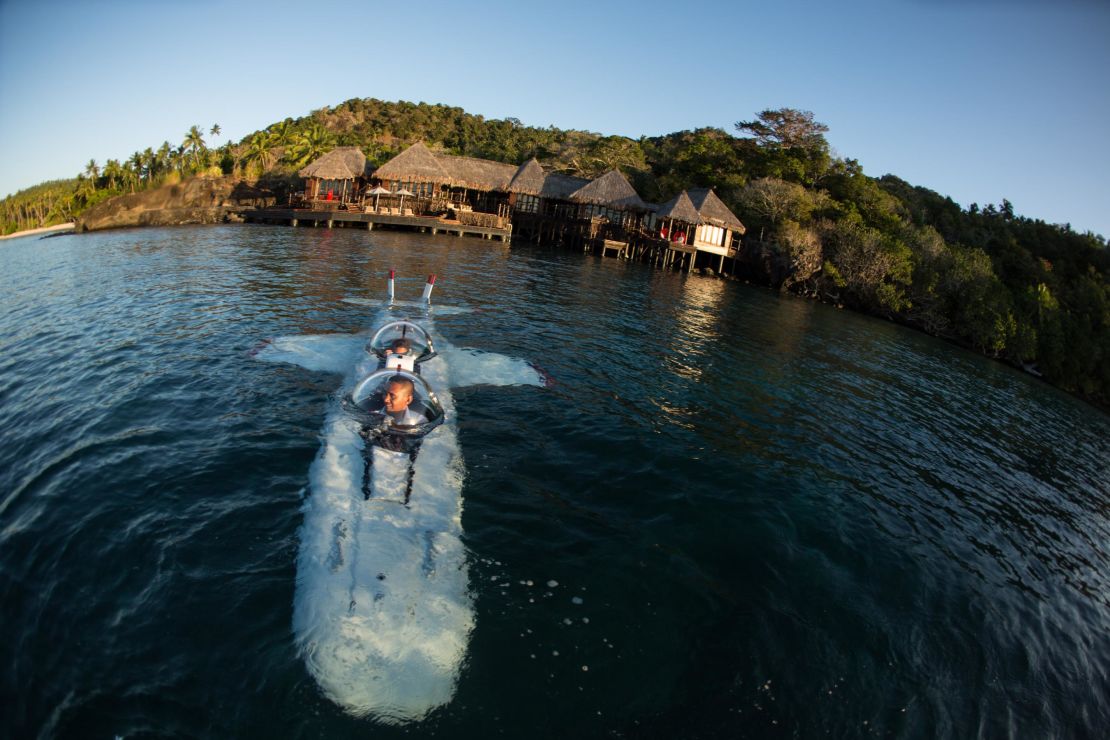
398 394
400 346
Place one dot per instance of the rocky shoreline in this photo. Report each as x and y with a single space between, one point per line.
195 201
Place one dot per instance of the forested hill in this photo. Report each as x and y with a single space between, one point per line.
1014 288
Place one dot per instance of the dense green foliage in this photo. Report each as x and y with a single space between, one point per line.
1014 288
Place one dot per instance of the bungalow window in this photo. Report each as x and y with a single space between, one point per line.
713 235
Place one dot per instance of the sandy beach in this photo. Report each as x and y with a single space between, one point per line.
42 230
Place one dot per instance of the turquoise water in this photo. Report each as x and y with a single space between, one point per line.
763 517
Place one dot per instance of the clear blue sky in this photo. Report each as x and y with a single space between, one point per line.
977 99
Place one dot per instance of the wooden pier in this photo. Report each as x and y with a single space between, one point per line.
370 221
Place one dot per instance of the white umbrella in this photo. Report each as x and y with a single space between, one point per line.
376 191
402 192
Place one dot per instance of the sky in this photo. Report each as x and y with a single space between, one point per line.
978 100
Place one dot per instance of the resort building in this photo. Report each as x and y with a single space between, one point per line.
335 178
694 221
437 192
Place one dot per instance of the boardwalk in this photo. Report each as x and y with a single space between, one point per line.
368 221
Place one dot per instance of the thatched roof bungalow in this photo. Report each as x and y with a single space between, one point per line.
528 179
610 196
415 164
679 208
534 191
337 175
612 191
713 211
418 165
713 223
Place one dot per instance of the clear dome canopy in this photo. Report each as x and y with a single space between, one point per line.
402 337
416 414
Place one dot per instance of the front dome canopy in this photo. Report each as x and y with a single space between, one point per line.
419 343
368 403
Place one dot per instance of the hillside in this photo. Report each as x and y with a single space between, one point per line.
1018 289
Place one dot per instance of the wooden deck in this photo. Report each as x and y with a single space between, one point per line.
368 221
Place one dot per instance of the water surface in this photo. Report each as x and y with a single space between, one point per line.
734 514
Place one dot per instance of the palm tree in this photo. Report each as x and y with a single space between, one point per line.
310 145
177 158
153 163
283 133
258 150
194 143
135 169
92 171
113 173
165 158
85 187
133 173
215 130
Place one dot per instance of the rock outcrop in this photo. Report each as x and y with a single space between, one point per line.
199 200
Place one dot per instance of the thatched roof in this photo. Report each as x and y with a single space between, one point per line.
680 208
420 164
415 163
479 174
558 186
528 179
713 211
611 190
343 163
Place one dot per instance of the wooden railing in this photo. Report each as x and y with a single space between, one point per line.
473 218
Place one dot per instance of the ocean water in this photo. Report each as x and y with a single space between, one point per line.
731 514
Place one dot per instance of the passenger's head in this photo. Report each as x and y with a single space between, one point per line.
398 394
400 346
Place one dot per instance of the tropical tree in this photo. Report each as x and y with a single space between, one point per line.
164 161
283 133
86 188
310 145
788 128
791 144
92 171
258 151
215 130
194 144
113 173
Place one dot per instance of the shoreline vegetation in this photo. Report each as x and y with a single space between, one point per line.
1032 294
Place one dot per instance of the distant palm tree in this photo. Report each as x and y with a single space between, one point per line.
258 150
165 158
194 144
92 171
215 130
283 133
85 187
113 173
152 163
135 169
177 158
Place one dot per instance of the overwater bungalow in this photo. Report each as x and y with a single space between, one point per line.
335 179
696 220
465 186
532 190
613 198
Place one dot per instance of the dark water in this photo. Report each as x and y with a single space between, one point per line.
780 520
